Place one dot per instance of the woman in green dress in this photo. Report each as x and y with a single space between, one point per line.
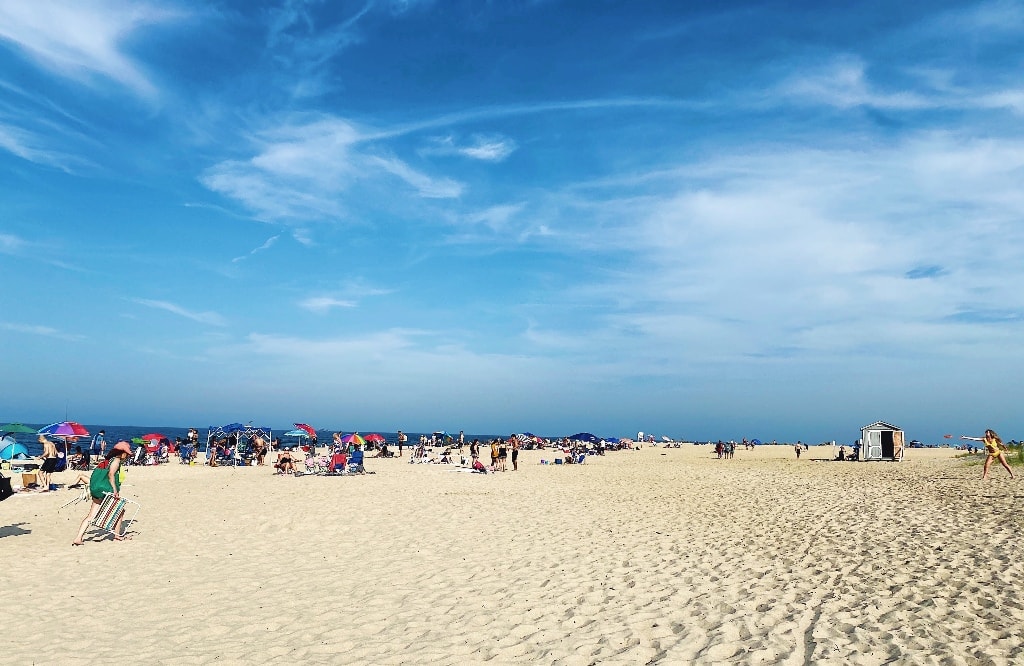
105 479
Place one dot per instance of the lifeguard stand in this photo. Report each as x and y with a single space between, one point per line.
881 441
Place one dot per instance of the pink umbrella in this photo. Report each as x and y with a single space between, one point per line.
65 429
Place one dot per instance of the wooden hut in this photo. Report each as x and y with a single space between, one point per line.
881 441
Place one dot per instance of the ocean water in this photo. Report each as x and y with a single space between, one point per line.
115 434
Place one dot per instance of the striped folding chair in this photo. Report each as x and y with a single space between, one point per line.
111 509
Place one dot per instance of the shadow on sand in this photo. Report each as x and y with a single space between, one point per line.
14 530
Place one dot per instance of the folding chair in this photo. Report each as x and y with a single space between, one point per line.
111 509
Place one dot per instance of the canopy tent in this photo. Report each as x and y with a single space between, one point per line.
240 435
11 449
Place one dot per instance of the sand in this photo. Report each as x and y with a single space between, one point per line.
648 557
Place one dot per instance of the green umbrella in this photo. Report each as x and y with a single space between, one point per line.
17 428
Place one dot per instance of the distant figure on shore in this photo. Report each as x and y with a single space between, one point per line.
842 453
994 449
99 445
402 439
798 450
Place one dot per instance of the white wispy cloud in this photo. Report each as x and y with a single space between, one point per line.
269 243
324 303
304 167
9 243
211 318
783 250
348 296
33 147
45 331
842 82
81 41
491 148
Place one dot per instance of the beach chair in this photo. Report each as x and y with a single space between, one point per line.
581 458
111 509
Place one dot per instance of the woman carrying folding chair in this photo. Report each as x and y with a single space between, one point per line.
103 481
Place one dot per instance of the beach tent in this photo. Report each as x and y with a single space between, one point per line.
881 441
242 434
11 449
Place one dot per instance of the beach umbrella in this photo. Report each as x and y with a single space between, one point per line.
64 429
10 449
585 437
155 435
296 433
310 430
755 441
354 438
16 429
374 437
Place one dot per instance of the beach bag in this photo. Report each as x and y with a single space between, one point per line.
5 488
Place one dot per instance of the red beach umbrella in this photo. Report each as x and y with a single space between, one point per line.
308 428
374 437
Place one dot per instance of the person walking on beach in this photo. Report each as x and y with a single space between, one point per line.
105 479
994 449
402 439
99 445
515 454
798 449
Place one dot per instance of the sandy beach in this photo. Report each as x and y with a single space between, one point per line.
657 556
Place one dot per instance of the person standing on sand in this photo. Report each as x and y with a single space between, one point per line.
105 479
994 449
515 454
402 439
798 449
49 463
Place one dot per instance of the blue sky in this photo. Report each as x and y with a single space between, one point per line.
761 219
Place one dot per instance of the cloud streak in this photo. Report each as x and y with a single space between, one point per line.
209 318
82 41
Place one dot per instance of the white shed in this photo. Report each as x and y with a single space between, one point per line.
881 441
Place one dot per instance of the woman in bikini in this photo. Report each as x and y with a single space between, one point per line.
994 449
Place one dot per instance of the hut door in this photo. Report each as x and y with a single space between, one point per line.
888 444
873 445
897 445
